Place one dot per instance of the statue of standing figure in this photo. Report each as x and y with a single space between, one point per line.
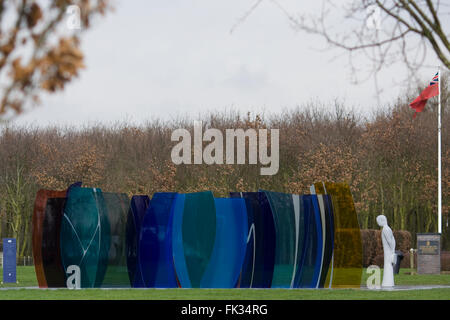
388 240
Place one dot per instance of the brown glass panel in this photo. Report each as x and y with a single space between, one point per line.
37 230
347 254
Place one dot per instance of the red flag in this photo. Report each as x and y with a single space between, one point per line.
432 90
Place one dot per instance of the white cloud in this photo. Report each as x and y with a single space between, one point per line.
158 58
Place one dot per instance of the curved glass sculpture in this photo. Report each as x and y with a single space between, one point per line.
286 238
38 238
155 248
230 244
258 265
117 207
193 236
138 207
85 235
346 262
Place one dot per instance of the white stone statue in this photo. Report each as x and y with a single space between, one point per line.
388 240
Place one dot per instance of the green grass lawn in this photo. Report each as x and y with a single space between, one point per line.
27 278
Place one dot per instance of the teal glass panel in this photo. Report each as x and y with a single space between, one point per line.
197 223
286 239
85 235
230 244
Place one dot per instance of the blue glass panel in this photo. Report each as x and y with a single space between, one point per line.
305 271
138 207
257 270
179 258
311 260
230 244
155 252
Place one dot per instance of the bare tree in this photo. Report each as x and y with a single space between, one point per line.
384 31
40 47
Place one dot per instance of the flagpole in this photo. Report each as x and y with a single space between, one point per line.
439 156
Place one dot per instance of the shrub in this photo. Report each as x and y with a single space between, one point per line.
373 246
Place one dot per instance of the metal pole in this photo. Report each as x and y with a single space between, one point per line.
439 156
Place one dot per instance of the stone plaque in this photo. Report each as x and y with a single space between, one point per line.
428 253
428 247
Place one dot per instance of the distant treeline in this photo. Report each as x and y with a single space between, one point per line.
389 160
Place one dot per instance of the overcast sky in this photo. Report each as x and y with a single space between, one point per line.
160 58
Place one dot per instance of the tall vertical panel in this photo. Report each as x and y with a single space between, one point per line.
285 231
347 255
245 279
86 235
197 227
300 231
229 246
51 253
305 276
138 207
9 260
258 266
179 259
318 239
329 241
155 252
37 229
117 207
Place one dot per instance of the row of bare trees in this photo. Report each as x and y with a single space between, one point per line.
389 159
